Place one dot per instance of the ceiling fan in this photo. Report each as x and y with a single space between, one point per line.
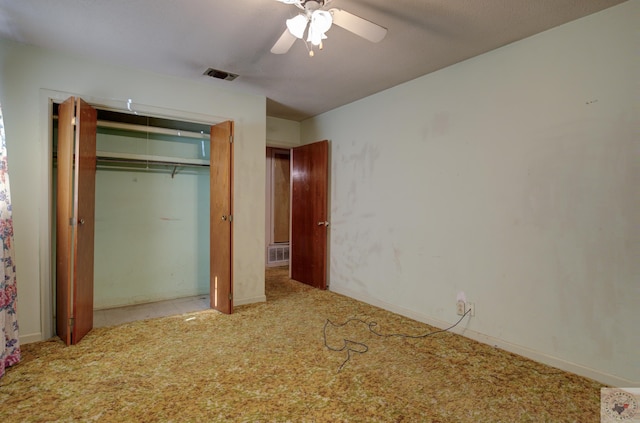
316 20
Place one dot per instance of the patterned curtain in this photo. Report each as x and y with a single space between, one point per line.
10 346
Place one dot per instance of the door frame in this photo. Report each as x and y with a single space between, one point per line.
47 257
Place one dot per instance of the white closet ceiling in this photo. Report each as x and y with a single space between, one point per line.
186 38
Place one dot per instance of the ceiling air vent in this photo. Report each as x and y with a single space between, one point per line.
215 73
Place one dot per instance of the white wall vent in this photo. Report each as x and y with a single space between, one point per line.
278 254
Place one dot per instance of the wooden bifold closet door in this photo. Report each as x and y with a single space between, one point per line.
75 223
77 122
221 218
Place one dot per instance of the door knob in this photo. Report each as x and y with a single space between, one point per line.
81 221
323 223
224 217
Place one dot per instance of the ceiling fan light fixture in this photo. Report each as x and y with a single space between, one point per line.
321 21
297 25
315 37
316 19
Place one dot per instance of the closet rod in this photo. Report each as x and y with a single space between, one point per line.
144 158
125 160
103 160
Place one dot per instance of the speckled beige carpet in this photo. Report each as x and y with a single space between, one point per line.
268 363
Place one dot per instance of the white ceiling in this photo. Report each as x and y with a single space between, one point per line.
184 38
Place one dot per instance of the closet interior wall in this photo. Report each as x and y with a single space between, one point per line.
152 210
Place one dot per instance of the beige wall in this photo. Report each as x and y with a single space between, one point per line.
282 132
512 177
30 76
151 235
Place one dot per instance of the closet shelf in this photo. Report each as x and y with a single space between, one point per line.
149 129
153 130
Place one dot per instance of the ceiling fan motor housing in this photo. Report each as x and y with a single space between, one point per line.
314 4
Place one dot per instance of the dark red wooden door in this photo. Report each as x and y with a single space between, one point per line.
309 220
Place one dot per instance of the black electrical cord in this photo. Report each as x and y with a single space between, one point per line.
348 344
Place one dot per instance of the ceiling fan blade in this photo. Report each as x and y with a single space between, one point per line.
359 26
284 43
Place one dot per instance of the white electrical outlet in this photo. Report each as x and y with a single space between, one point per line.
471 308
460 306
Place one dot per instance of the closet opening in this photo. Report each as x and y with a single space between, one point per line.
278 206
152 215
